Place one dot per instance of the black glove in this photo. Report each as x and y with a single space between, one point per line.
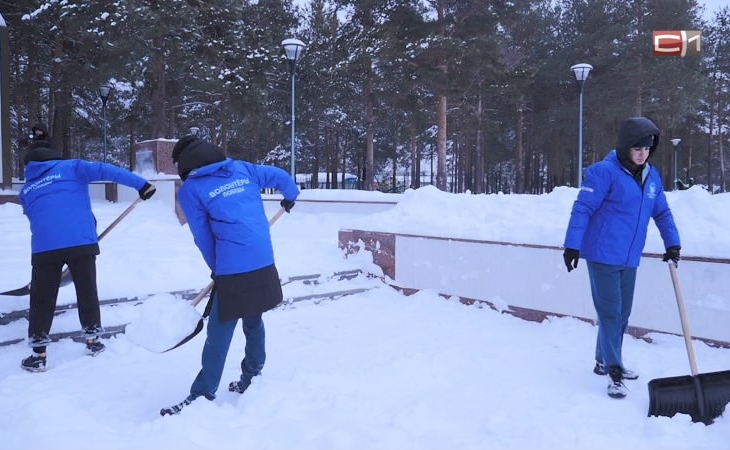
673 254
287 204
147 191
571 255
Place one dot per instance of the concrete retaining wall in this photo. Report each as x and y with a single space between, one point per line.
531 282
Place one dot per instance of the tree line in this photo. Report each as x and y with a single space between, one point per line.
469 95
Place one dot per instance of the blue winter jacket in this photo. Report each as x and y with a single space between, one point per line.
56 200
224 209
610 217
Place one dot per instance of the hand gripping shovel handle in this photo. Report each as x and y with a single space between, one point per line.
683 318
65 275
198 298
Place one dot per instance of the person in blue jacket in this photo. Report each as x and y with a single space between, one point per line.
55 198
221 200
608 226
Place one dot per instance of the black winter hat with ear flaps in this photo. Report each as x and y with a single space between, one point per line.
191 153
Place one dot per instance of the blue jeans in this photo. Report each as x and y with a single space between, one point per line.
216 349
612 288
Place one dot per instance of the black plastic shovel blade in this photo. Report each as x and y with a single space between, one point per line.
21 291
25 290
198 329
703 397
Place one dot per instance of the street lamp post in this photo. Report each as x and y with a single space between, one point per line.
675 143
293 49
581 75
104 92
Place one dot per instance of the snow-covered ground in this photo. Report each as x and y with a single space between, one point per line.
376 369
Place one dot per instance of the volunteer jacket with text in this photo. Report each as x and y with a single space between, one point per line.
224 209
610 217
55 197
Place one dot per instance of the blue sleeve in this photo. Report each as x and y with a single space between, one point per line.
197 218
591 195
274 177
98 171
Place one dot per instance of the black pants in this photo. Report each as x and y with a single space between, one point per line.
45 282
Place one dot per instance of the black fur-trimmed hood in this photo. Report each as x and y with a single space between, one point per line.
633 131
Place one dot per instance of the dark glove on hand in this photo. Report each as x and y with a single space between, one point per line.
673 254
147 191
287 204
571 256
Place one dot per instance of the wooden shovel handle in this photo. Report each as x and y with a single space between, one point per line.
198 298
66 272
124 214
683 318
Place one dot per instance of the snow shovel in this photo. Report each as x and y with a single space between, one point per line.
209 289
702 396
66 274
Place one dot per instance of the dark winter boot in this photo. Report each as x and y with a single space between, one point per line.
616 387
239 386
34 363
175 409
94 347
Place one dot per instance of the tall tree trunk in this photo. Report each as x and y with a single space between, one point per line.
415 161
690 146
722 160
441 108
519 151
158 90
441 144
369 128
713 104
480 187
468 165
60 134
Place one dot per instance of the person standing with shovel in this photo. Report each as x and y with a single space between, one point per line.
56 200
221 200
608 226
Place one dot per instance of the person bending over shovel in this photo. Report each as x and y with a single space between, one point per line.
608 226
56 200
221 199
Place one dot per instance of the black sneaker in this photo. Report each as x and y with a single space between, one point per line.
238 386
175 409
94 347
616 387
34 363
627 374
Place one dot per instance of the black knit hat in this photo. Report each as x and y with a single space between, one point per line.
184 143
191 153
